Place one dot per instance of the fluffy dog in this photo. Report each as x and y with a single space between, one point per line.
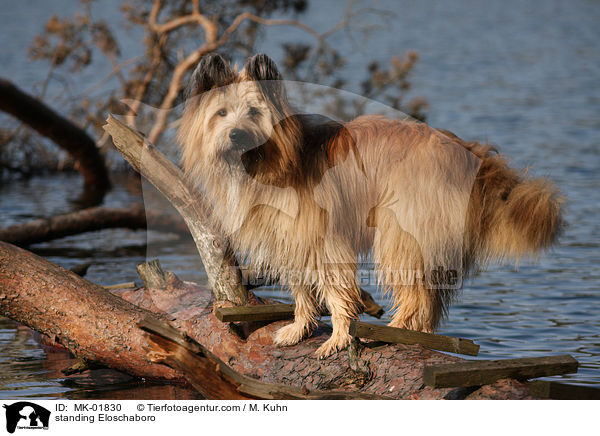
305 196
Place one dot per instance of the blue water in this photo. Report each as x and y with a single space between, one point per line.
523 75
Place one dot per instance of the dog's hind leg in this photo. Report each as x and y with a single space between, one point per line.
305 317
416 308
398 257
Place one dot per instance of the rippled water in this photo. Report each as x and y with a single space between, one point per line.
525 77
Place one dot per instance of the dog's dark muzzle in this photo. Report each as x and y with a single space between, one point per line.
240 139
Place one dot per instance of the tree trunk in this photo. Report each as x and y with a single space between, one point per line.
64 133
92 323
100 327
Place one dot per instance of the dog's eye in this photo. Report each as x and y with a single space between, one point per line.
253 112
222 113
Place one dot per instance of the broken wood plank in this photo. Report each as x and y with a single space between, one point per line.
263 312
563 391
395 335
482 372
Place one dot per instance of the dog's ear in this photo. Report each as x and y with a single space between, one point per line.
211 72
262 69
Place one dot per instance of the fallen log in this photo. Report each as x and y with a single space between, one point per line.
89 220
92 323
64 133
102 328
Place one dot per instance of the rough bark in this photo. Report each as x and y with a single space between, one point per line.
89 220
83 317
215 379
219 261
64 133
102 328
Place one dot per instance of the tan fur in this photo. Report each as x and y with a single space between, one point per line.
311 198
509 214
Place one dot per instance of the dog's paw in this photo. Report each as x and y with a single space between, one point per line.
291 334
333 344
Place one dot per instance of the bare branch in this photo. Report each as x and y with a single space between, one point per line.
174 87
209 27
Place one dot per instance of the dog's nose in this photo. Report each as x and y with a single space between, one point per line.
236 134
239 136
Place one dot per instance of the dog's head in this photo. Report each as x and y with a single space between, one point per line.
229 115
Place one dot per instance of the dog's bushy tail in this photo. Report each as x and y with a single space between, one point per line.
510 215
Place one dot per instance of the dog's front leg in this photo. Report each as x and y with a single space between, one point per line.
305 317
342 300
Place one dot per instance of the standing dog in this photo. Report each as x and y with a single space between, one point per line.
305 196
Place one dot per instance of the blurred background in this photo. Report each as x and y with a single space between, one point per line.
524 76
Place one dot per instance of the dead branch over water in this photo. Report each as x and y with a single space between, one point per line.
89 220
63 132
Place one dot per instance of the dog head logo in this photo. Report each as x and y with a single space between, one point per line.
26 415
